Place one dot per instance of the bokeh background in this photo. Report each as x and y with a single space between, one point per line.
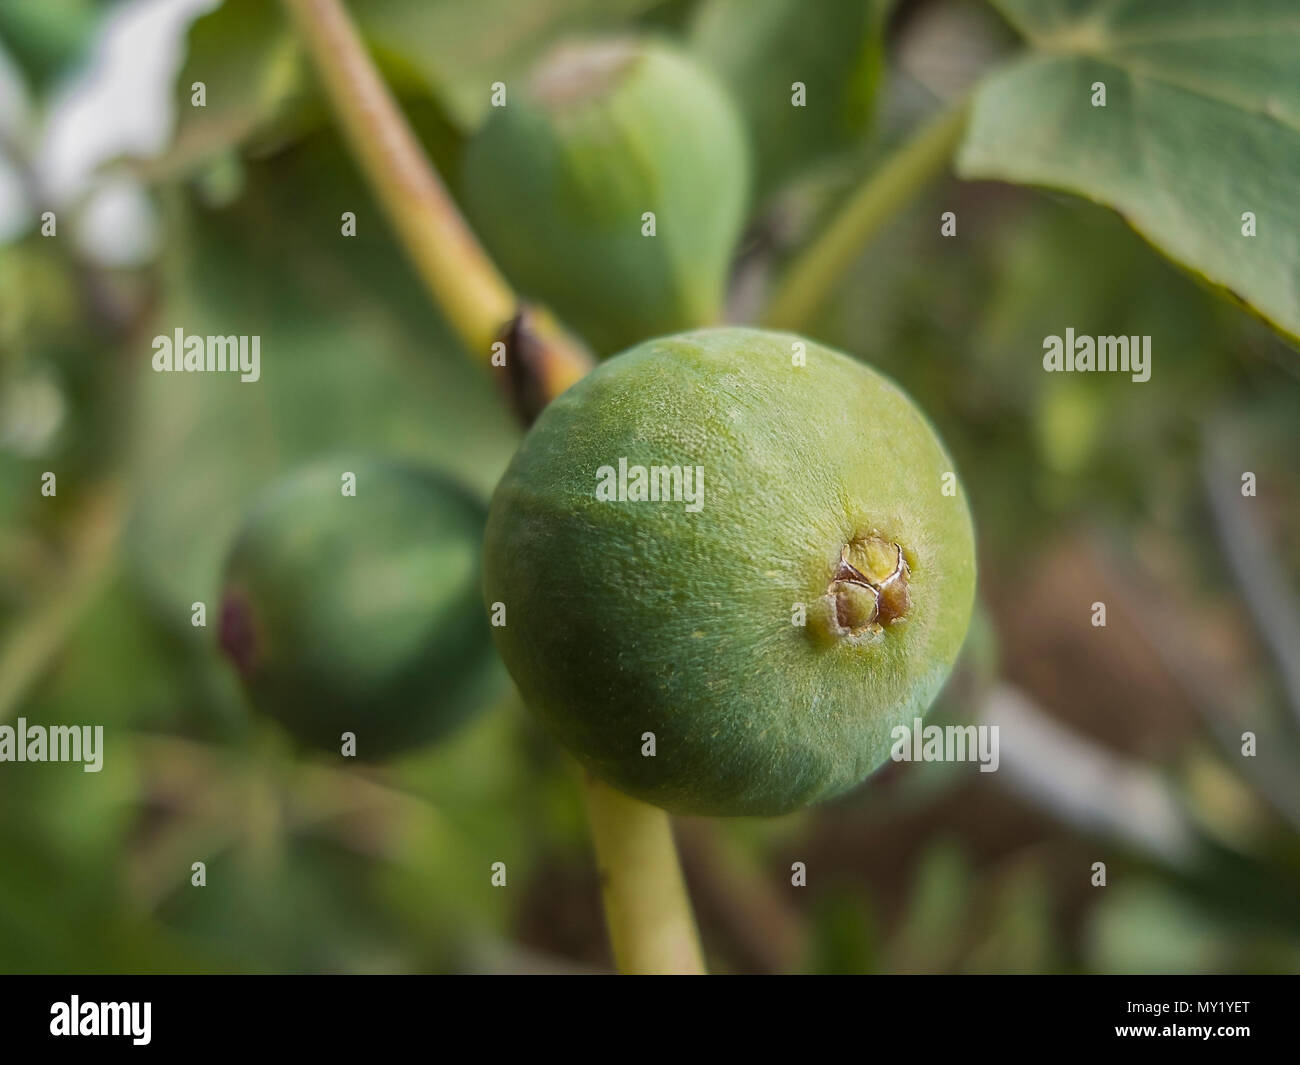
1120 744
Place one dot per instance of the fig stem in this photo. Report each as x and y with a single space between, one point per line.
464 282
812 275
647 910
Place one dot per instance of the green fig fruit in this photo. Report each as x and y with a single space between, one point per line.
560 184
731 562
359 613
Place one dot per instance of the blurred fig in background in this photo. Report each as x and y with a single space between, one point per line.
613 186
360 613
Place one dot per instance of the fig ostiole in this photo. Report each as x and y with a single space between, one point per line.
359 613
754 654
612 186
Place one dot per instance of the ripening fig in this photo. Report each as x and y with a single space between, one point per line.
359 613
612 186
743 543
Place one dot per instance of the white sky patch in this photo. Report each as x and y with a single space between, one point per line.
118 226
120 102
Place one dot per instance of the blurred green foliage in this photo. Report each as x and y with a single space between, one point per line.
45 37
763 49
313 867
357 361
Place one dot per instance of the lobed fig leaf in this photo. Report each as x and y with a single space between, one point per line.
1182 115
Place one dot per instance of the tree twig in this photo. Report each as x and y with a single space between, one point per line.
814 272
464 282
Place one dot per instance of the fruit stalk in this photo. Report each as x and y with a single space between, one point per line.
465 283
647 910
814 273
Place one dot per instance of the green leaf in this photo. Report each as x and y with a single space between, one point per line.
253 77
760 48
1201 125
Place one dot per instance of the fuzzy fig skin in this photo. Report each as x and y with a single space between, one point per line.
557 182
628 617
360 614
